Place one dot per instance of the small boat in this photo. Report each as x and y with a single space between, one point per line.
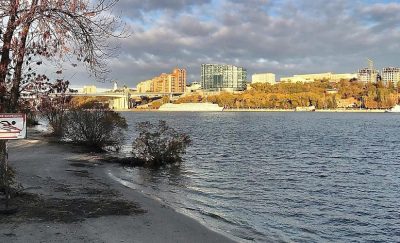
394 109
305 108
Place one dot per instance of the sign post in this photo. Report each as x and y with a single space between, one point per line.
12 126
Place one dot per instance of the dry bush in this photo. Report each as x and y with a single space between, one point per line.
159 144
97 129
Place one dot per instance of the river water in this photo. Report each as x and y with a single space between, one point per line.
283 177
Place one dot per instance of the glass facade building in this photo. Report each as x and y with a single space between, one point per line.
220 77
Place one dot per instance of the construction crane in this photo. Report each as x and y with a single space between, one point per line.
370 64
373 74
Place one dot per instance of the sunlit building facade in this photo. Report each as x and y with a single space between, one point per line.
89 89
391 75
305 78
222 77
367 75
174 82
144 86
263 78
177 80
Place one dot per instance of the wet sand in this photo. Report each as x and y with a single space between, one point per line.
68 197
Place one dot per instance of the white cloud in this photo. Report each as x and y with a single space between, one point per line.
284 37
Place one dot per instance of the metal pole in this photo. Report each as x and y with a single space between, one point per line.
7 189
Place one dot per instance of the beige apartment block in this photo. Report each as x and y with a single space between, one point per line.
145 86
263 78
165 83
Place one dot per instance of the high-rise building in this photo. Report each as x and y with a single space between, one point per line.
221 77
263 78
178 80
368 75
391 75
161 83
165 83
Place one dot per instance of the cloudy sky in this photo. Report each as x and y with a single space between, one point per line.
281 36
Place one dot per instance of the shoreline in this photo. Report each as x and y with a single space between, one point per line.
318 110
270 110
55 171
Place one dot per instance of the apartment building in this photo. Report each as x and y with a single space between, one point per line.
391 75
165 83
367 75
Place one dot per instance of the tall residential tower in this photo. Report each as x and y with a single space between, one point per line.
174 82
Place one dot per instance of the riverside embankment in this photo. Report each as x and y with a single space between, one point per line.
69 197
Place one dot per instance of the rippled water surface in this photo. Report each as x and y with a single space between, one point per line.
302 177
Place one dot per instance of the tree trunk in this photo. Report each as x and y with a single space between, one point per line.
15 93
7 38
4 63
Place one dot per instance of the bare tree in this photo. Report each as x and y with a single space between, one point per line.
32 30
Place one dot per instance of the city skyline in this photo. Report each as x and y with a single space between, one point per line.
282 37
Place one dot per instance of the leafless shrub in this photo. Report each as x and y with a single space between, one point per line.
96 129
159 144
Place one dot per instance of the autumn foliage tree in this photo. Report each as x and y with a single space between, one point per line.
291 95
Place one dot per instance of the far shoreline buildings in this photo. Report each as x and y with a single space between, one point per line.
230 78
305 78
391 75
263 78
223 77
174 82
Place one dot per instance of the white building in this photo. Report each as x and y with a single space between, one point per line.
263 78
193 87
89 89
336 77
333 77
391 75
367 75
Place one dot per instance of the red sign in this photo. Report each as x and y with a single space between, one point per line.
12 126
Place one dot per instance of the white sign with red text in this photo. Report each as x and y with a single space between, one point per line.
12 126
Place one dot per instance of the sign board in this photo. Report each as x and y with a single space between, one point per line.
12 126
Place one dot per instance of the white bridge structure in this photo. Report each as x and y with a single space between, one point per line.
121 100
117 100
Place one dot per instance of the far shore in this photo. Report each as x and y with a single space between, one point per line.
317 110
274 110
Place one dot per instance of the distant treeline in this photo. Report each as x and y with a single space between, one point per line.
322 94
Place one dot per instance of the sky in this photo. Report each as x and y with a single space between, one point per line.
284 37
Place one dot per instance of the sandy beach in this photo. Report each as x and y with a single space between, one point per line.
68 197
